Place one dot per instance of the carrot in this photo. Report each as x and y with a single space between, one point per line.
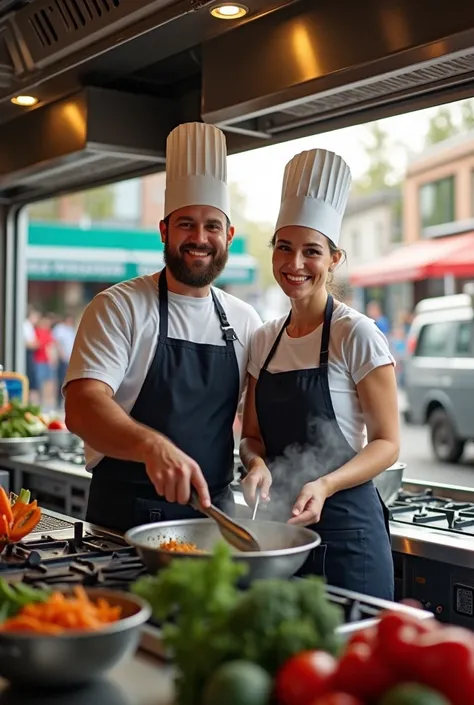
61 613
5 506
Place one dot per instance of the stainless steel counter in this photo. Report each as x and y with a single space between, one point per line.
72 482
140 680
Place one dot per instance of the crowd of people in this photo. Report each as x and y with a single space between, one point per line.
49 340
396 334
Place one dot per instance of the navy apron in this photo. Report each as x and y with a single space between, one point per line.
190 395
303 442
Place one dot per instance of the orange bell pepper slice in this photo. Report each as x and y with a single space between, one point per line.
25 524
5 506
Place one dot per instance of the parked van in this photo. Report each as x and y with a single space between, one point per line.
440 373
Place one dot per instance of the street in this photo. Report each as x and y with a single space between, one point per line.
421 464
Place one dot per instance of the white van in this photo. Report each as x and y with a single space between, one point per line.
440 373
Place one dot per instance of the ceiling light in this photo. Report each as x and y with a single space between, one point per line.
25 100
229 11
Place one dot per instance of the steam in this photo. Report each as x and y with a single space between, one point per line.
326 451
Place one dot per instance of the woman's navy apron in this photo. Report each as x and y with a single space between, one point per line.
190 395
301 436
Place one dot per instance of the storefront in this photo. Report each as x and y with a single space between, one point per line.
67 265
427 268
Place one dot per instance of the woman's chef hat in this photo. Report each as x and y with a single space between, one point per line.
314 194
196 168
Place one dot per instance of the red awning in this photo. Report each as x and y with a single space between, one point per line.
426 259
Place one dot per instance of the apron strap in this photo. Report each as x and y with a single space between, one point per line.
275 344
324 351
163 303
228 333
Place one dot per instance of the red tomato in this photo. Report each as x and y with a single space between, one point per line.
337 699
303 677
365 636
56 425
362 673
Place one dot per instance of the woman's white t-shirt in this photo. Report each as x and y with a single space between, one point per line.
356 347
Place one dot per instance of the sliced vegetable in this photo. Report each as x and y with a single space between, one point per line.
4 530
25 524
16 595
59 613
21 503
5 506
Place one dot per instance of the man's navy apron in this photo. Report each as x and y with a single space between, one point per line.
299 427
190 395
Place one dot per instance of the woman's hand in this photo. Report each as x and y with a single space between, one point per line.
309 505
258 477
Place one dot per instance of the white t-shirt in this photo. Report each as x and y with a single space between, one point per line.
117 336
356 347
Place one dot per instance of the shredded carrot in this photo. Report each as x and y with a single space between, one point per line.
60 613
179 547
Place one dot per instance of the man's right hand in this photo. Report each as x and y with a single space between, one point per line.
172 472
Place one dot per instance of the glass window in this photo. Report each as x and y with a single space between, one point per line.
437 202
434 339
463 345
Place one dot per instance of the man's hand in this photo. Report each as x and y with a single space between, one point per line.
172 472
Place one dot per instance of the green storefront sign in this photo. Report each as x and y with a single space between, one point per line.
58 252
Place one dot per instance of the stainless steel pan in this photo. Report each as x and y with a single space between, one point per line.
284 547
389 482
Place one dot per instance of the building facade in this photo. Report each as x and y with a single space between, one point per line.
437 256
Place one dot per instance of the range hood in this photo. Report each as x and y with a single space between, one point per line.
69 142
312 63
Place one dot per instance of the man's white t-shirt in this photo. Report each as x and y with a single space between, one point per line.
117 336
356 347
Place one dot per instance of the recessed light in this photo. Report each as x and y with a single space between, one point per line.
25 100
229 11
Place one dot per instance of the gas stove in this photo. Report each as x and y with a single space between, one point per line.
424 508
63 552
74 455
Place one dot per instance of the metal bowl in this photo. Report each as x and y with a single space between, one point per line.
21 446
284 547
74 658
62 439
389 482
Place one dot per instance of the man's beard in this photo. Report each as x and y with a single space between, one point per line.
203 273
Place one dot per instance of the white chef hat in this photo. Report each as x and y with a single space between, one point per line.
314 194
196 168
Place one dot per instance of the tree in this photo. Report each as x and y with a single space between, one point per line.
258 235
441 126
379 174
99 203
467 114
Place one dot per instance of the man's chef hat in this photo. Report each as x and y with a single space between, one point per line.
196 168
314 194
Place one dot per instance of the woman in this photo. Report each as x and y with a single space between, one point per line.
321 414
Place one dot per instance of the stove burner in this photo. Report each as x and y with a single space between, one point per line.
75 455
440 513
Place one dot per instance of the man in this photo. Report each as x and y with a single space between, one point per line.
159 362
